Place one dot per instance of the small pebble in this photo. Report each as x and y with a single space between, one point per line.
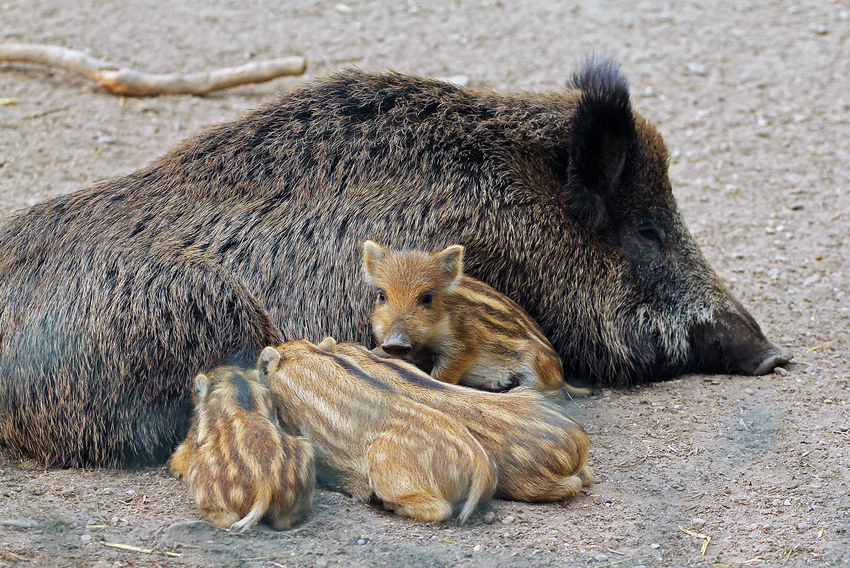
105 140
818 29
476 548
698 69
698 521
321 563
85 538
489 518
804 526
343 8
781 371
508 520
787 502
361 541
749 391
654 545
20 523
600 557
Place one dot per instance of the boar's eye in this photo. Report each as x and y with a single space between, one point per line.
651 234
426 300
381 297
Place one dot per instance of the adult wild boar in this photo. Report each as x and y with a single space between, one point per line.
562 201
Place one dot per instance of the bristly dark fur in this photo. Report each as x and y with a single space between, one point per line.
602 78
105 375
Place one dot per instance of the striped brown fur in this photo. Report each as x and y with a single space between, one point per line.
371 441
541 453
239 463
457 328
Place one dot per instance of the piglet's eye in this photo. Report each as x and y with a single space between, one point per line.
382 297
426 300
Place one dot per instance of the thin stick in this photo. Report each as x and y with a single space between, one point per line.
821 346
640 461
15 556
698 535
142 550
125 81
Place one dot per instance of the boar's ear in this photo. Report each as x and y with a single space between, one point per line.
450 261
328 345
602 133
373 254
268 362
202 384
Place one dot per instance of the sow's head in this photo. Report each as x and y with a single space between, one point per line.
664 309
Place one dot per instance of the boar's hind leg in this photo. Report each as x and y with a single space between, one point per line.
99 347
402 486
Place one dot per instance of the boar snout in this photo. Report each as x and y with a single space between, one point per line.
396 345
774 357
735 344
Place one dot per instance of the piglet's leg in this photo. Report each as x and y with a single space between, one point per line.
451 369
403 484
222 518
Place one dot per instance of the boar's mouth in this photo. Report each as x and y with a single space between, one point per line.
734 343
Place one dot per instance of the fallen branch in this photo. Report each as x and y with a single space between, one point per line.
125 81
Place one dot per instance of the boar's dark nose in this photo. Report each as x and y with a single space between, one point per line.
396 345
734 343
775 357
750 351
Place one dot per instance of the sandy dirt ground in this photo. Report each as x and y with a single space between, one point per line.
753 99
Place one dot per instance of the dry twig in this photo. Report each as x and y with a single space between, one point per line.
14 556
822 345
125 81
138 549
698 535
640 461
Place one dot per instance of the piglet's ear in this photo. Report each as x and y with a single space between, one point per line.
450 261
328 345
373 255
202 385
268 362
601 137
